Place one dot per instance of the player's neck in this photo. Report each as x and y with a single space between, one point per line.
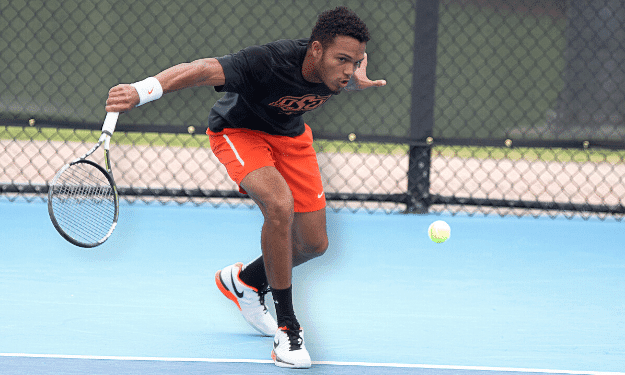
309 71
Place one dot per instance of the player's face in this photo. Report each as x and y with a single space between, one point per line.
339 61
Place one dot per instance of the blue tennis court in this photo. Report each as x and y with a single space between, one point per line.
502 295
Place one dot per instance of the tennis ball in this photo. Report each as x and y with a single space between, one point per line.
439 231
351 137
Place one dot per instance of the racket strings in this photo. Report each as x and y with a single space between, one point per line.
83 202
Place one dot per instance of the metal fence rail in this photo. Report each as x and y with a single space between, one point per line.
492 106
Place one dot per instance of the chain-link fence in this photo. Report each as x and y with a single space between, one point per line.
491 106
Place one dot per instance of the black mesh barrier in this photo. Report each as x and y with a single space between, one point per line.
532 70
492 106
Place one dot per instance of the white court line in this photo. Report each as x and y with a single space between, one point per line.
362 364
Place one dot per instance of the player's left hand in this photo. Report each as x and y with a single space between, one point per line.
359 80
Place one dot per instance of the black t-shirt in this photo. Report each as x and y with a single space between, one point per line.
265 90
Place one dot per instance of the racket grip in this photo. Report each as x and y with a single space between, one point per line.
109 123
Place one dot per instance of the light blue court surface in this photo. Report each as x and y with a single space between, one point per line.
502 294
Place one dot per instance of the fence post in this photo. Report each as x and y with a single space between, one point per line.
422 112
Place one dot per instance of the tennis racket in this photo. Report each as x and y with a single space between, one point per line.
82 198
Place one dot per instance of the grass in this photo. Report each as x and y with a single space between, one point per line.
533 154
195 140
89 136
474 152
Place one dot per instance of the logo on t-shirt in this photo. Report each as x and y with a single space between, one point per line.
291 105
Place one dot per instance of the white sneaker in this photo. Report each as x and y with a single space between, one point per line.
249 300
289 349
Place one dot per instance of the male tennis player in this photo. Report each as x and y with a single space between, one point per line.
256 130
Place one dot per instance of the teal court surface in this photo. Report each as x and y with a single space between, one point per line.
502 296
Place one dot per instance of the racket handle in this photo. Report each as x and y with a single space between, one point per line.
109 123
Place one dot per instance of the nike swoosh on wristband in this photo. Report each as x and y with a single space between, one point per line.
240 295
151 91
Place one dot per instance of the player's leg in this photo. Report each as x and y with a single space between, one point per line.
266 185
296 161
242 152
270 191
272 195
310 238
300 168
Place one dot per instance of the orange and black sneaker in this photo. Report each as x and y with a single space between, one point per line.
249 300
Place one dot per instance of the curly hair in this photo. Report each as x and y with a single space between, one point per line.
338 21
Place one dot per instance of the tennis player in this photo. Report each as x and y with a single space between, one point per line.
256 130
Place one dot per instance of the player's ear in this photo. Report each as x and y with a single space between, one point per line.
317 49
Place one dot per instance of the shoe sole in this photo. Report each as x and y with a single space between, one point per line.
282 364
222 288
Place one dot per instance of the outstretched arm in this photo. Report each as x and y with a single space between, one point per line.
359 80
204 72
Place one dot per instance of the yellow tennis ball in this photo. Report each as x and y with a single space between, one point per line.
439 231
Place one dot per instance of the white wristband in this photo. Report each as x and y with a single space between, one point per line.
149 89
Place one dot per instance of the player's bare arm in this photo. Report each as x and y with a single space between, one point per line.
359 80
203 72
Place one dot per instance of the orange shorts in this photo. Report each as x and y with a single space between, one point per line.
242 151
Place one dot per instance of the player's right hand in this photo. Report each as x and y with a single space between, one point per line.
122 98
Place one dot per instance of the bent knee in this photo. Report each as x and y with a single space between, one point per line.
322 247
278 209
317 248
